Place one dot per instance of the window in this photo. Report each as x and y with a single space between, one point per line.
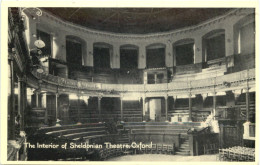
155 56
129 57
74 52
184 54
214 45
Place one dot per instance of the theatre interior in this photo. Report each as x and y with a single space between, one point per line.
164 81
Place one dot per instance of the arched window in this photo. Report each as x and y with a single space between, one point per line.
102 55
183 51
128 57
214 45
155 56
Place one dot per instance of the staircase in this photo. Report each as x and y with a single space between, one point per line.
184 149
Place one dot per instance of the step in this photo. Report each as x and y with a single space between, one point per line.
182 154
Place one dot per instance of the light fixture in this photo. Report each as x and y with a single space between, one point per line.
39 44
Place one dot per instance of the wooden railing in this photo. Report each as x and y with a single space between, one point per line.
173 86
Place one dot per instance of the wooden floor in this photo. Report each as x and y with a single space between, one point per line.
160 157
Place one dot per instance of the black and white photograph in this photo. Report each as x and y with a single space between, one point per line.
129 84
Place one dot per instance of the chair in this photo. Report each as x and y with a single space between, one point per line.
154 147
159 148
164 148
170 149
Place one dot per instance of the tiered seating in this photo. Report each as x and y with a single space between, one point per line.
81 112
76 132
132 111
237 153
204 74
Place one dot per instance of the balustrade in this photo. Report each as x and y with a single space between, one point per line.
176 85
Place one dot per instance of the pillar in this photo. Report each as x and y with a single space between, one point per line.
11 127
166 107
121 109
190 108
214 102
21 101
143 114
37 98
78 108
56 105
142 57
247 105
44 105
99 107
155 78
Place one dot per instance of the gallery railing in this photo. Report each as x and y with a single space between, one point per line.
241 76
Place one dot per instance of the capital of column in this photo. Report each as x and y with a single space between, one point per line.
99 98
57 94
165 97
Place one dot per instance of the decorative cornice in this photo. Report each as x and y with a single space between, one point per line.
140 36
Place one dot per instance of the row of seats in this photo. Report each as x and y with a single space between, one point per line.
157 149
107 153
237 153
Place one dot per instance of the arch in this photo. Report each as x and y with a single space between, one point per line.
213 45
244 35
155 55
102 55
155 46
129 46
129 56
183 52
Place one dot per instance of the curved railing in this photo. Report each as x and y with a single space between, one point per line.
172 86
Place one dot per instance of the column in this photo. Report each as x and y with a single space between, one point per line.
56 106
78 108
142 57
214 102
21 101
247 105
11 127
121 109
99 107
37 98
44 105
143 114
166 107
190 108
155 78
